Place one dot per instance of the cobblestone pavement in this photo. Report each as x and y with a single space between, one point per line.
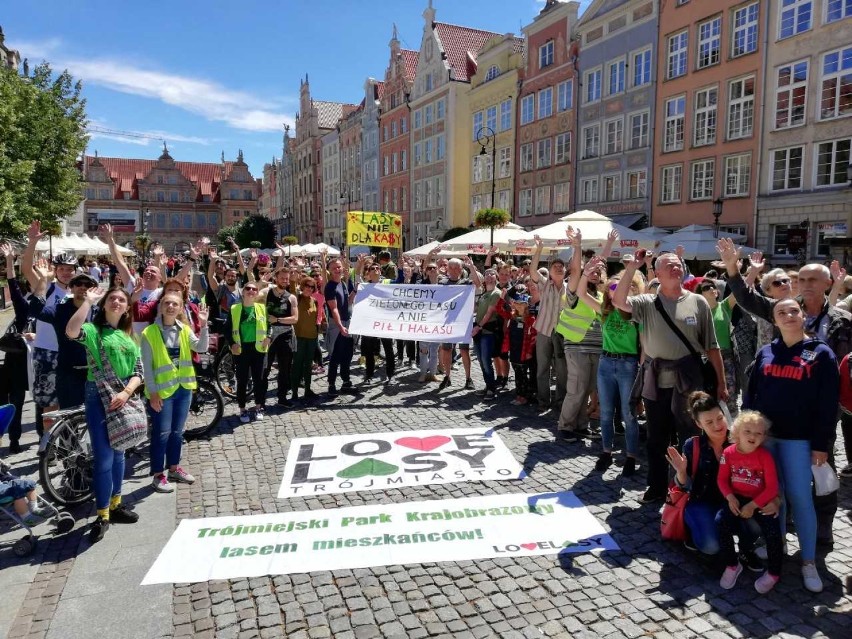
649 588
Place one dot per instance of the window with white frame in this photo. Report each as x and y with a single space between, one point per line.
640 125
527 157
614 136
525 202
404 159
542 200
475 204
544 154
477 124
615 75
439 190
734 229
671 182
832 162
565 95
403 127
741 108
642 68
393 129
791 94
491 118
591 141
588 190
528 108
709 42
427 193
796 17
611 187
504 159
493 72
427 114
394 165
673 132
487 167
737 175
745 30
787 168
836 84
418 204
702 175
837 10
402 200
545 55
637 184
561 197
418 119
705 116
439 147
676 52
505 115
504 200
563 148
477 168
440 109
427 151
386 167
545 103
593 86
781 239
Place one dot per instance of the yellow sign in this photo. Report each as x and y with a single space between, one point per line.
373 229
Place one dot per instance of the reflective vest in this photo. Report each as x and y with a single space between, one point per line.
260 331
574 322
167 376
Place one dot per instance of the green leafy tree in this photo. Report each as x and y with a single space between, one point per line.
42 133
256 228
226 234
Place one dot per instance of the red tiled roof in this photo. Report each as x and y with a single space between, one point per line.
518 45
410 57
380 90
459 43
329 113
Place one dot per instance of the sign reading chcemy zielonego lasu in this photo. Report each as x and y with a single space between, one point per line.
378 461
378 535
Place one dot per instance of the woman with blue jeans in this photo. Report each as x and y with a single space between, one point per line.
484 326
167 347
109 334
796 385
617 368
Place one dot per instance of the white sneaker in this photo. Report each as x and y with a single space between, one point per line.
161 484
258 415
181 476
811 578
245 418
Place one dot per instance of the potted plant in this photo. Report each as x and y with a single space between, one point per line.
289 240
491 218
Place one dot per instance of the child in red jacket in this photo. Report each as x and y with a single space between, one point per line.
749 481
846 412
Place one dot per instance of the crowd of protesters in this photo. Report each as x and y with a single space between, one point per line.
641 348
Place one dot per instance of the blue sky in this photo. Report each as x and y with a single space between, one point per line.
212 76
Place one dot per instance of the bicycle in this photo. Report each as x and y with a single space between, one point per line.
65 452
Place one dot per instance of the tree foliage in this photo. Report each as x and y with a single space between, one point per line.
253 229
491 217
42 133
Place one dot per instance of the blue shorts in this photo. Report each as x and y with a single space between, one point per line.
16 488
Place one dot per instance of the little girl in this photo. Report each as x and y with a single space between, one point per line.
749 481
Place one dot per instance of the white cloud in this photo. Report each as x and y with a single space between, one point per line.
209 99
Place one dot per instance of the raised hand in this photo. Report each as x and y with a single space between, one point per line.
493 250
729 252
105 231
679 251
5 249
34 232
837 273
539 243
203 314
253 254
756 260
593 265
676 460
94 295
213 254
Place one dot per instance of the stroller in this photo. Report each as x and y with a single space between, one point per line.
62 521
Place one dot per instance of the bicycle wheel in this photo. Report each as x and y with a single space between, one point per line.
65 466
205 410
226 376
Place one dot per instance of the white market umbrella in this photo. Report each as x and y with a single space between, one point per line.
511 238
700 248
318 249
655 232
594 229
423 251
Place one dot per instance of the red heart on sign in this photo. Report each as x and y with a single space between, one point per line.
529 546
423 443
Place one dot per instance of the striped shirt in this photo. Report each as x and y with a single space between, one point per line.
552 300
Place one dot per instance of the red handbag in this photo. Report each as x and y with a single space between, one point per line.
672 524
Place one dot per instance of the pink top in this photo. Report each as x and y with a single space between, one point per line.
751 475
320 298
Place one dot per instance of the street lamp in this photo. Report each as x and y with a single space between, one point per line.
485 136
345 198
717 213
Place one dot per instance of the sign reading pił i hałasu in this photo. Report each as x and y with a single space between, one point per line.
382 535
372 228
425 313
378 461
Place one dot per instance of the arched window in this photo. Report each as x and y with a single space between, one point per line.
493 72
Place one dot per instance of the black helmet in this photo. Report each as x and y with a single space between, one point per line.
64 259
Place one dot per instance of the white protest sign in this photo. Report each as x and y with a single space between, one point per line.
426 313
382 535
377 461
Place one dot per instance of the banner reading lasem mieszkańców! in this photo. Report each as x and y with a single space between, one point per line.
367 228
516 525
421 312
379 461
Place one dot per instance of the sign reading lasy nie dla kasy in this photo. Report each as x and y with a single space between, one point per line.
378 461
367 228
514 525
421 312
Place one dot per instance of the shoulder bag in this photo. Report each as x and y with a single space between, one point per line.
127 426
672 524
709 381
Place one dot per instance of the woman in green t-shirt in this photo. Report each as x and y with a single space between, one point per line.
721 312
109 333
619 364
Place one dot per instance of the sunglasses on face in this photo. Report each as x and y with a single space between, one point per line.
309 286
431 268
782 282
709 288
250 289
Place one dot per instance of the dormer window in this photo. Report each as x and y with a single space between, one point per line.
493 72
545 55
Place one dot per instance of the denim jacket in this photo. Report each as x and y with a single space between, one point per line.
703 486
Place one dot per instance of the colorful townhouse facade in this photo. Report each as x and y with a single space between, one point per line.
616 109
370 118
331 187
545 117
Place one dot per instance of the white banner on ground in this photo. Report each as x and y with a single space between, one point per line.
364 536
378 461
421 312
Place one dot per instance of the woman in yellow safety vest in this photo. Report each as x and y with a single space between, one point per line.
248 332
167 347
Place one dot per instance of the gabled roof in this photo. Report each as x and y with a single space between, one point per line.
518 45
461 44
379 90
598 8
329 113
410 57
